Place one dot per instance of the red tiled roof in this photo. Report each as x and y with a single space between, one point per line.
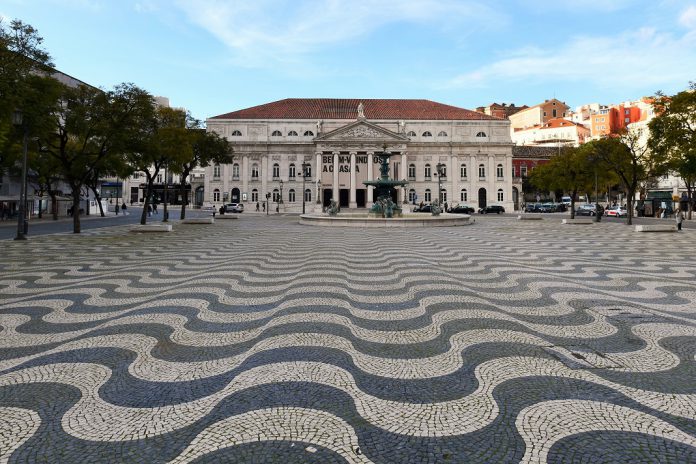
347 108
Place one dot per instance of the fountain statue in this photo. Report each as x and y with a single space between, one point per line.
384 206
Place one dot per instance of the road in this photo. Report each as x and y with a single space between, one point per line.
45 226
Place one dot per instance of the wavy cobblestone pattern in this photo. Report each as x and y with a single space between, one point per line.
267 341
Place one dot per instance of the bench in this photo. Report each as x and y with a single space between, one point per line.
529 218
203 220
577 221
657 228
152 228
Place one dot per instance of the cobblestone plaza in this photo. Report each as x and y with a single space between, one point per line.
261 340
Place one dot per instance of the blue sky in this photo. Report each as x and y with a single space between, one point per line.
215 56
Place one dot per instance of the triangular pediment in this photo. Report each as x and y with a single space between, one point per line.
362 131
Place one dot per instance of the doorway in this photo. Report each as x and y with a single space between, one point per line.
482 198
360 197
327 197
344 197
235 195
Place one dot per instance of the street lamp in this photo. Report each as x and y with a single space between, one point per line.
22 224
304 179
280 198
439 182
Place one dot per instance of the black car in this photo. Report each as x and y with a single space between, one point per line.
461 209
422 209
497 209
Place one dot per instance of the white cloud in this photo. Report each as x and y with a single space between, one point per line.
645 58
270 33
544 6
688 17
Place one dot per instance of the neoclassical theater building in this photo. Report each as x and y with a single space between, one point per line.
465 154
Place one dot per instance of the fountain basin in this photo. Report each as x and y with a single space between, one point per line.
406 221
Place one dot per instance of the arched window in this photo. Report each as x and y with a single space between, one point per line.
292 134
500 194
308 195
216 195
216 170
442 170
462 171
276 133
482 170
255 171
309 134
411 134
412 196
276 195
254 195
463 195
427 134
291 171
481 134
236 133
499 171
276 170
428 196
291 195
428 171
411 171
235 171
308 170
442 134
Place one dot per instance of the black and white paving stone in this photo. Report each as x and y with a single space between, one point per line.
260 340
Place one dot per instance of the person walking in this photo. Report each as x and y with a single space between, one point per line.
154 208
264 207
149 210
257 206
679 217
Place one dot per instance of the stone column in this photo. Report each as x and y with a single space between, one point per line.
473 183
245 176
335 190
264 178
317 178
370 176
454 196
402 176
353 196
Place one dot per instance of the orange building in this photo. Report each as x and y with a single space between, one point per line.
615 118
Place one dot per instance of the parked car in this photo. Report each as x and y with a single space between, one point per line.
234 208
532 208
422 209
490 209
462 209
588 210
616 211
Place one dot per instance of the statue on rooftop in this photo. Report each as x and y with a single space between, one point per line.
361 111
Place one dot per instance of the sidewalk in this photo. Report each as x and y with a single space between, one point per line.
48 218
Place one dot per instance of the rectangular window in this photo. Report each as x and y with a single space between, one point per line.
627 120
462 171
523 171
427 196
554 112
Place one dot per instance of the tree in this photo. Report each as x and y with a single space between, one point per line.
571 171
24 66
627 155
673 136
206 148
90 129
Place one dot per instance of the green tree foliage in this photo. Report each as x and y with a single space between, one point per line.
91 131
673 136
24 66
572 171
206 148
629 157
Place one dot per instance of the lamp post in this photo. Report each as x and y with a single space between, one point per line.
22 224
280 198
439 183
304 180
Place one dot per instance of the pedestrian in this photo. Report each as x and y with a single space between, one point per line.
149 210
679 217
123 207
264 207
154 208
257 206
446 208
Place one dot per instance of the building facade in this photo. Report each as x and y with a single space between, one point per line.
539 115
555 132
465 155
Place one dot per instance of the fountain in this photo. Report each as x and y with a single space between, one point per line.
384 206
384 212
